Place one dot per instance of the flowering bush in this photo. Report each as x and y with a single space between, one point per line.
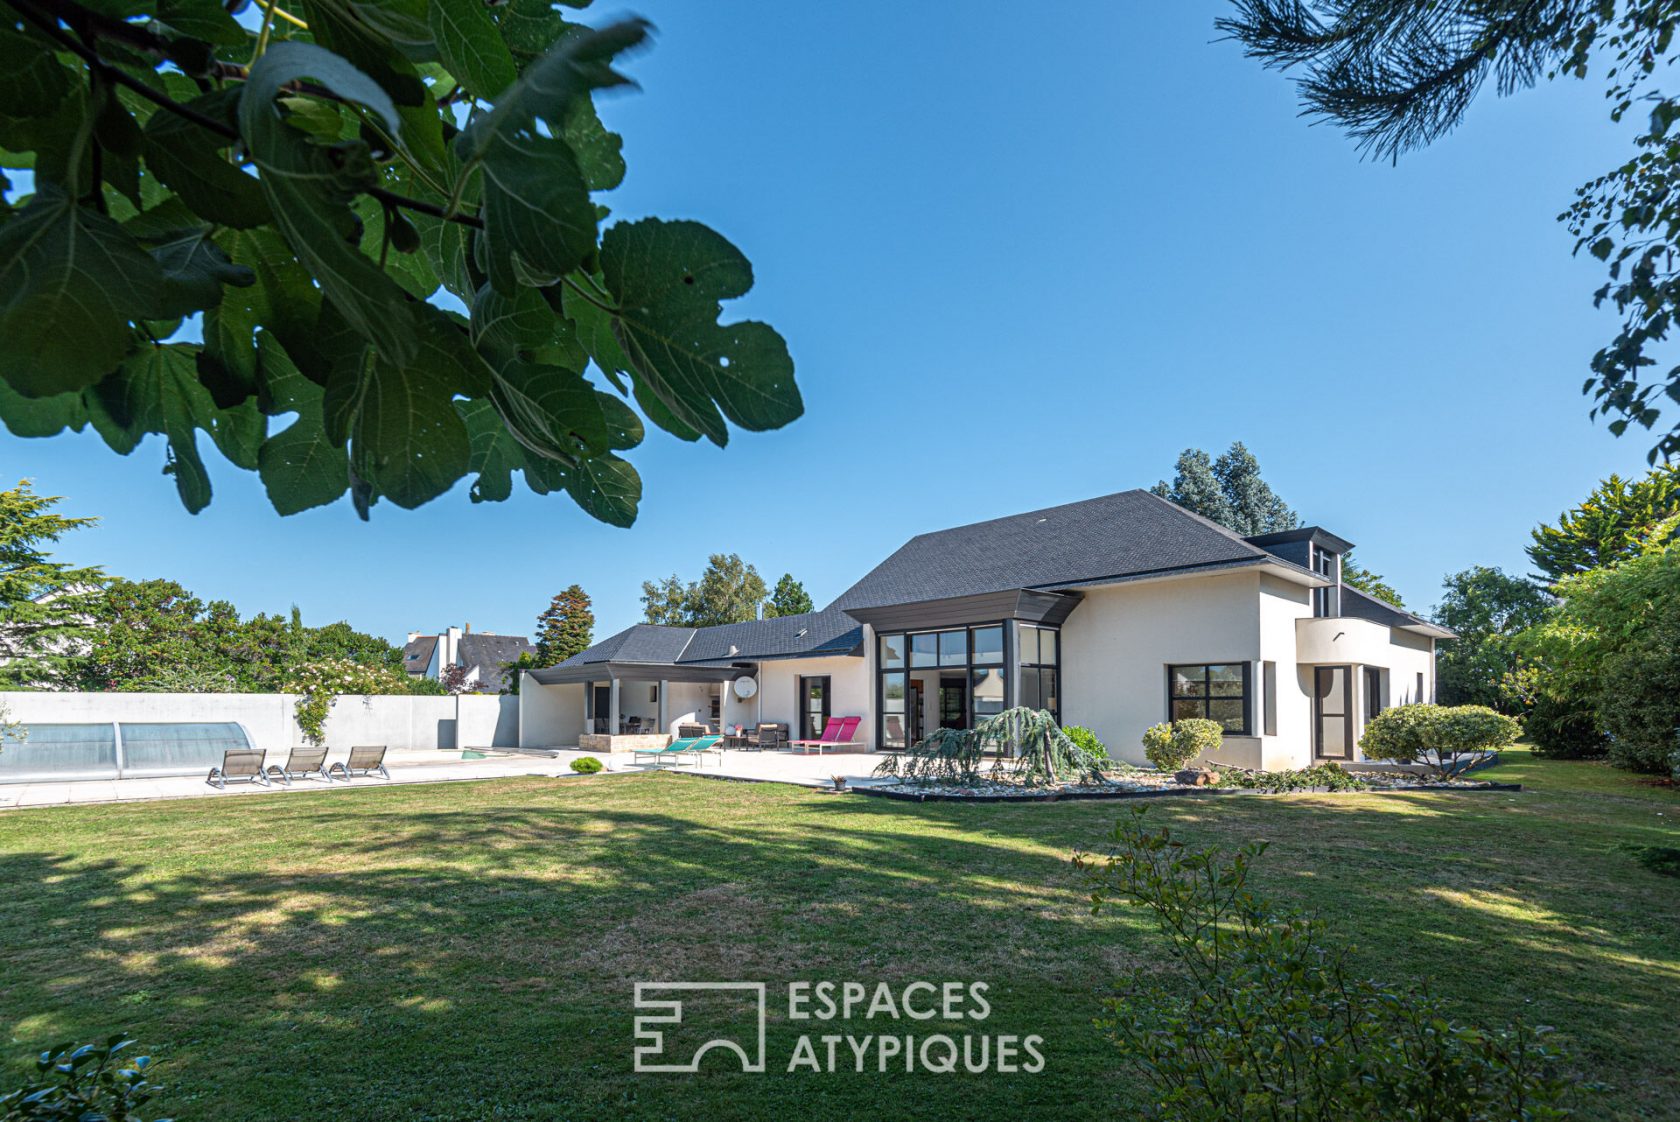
319 684
1171 746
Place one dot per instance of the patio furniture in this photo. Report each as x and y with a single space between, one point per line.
689 732
239 765
837 733
771 737
696 746
364 759
302 763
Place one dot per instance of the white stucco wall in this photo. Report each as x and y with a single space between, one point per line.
1282 603
1117 645
854 693
550 716
468 720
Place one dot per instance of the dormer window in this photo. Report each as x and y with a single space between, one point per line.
1327 601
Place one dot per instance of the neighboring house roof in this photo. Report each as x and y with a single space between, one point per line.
1365 606
1117 537
417 654
807 635
485 655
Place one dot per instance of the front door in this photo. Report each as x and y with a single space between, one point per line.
813 707
1332 713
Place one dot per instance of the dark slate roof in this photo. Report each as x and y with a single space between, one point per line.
417 655
1116 537
808 635
487 653
1364 606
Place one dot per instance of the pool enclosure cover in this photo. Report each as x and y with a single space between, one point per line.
117 750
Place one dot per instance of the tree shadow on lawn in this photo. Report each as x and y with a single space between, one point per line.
479 962
466 954
1505 904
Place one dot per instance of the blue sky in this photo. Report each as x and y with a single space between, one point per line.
1019 261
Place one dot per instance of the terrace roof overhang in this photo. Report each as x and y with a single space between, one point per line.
1025 604
639 672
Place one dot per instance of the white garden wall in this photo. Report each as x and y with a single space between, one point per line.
464 721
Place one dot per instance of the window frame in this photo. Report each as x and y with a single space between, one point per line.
1037 667
1207 698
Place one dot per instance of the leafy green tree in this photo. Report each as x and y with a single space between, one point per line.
1615 639
1488 608
729 591
154 636
566 627
666 602
1372 584
43 603
1228 491
383 218
788 599
1616 521
1399 74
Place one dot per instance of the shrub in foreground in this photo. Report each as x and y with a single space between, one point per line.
1083 737
1328 776
86 1084
1273 1024
1438 736
587 765
1171 746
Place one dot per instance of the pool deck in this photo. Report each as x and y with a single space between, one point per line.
437 766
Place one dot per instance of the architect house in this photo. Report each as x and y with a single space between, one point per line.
1115 613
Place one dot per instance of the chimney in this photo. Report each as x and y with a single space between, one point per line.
467 630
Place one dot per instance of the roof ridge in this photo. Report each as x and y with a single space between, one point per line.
1208 522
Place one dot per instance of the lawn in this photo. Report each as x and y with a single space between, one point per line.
468 951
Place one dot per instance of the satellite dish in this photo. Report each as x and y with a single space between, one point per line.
745 688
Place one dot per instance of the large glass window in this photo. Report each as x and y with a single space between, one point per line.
971 683
987 692
1040 662
895 731
1216 691
892 652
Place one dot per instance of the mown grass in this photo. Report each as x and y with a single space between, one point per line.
467 951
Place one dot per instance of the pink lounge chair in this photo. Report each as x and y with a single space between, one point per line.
837 733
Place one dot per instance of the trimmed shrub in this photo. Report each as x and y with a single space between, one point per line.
1435 735
587 765
1328 776
1169 746
1083 737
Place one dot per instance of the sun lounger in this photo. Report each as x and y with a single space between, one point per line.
837 733
364 760
696 746
302 763
239 765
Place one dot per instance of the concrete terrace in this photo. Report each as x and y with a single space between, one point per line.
415 765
